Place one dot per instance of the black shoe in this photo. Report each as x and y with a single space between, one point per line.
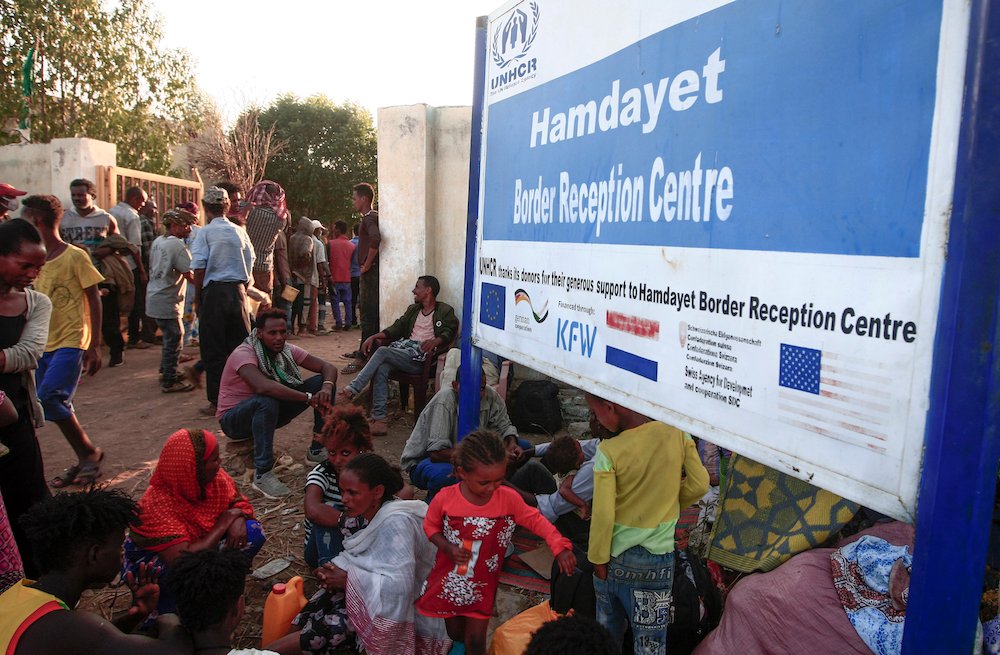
117 359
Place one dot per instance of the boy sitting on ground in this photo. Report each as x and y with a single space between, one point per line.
77 540
564 458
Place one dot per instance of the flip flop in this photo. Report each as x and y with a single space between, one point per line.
89 472
66 478
350 368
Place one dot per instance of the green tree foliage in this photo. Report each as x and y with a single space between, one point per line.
328 149
100 71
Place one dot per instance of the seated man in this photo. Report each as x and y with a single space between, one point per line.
427 453
424 326
77 539
208 585
261 390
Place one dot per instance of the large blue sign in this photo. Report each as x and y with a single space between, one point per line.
768 126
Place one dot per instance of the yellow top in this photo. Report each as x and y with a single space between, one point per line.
20 606
63 280
638 491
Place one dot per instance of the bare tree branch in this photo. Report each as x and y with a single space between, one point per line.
240 156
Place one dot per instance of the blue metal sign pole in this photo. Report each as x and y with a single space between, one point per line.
472 358
962 448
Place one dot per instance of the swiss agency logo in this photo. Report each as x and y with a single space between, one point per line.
511 41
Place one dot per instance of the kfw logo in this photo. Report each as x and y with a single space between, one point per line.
574 336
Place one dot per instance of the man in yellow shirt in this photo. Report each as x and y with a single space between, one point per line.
70 281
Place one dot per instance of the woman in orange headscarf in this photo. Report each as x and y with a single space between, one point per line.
191 504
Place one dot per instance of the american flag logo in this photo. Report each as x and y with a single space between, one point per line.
835 395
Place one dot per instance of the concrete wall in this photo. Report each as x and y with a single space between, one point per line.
423 187
48 168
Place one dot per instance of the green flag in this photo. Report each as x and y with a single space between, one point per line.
27 81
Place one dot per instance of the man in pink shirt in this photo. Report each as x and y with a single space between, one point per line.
341 251
262 390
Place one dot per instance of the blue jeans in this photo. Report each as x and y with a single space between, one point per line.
384 361
637 592
259 416
340 292
190 326
432 476
57 377
173 332
323 545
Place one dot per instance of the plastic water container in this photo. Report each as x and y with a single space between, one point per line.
282 605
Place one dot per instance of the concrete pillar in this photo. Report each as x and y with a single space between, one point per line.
423 186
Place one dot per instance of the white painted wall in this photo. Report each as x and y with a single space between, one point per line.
48 168
423 187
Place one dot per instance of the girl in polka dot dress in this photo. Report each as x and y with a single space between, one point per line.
472 523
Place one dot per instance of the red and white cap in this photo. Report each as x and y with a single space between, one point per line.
7 191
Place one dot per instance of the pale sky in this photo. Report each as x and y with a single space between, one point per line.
377 53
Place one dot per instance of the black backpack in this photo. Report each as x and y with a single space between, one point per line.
694 612
697 604
535 407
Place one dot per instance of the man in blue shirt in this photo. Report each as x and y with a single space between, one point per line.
222 260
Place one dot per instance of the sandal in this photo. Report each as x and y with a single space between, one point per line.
66 478
351 368
89 472
352 355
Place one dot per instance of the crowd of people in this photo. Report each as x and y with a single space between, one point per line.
396 575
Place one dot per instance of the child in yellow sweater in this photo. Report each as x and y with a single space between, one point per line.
639 491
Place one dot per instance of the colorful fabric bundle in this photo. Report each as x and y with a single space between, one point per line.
767 516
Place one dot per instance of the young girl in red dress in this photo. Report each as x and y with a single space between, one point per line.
471 523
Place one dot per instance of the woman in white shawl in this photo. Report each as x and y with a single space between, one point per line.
370 588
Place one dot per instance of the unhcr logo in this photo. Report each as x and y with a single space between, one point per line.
511 41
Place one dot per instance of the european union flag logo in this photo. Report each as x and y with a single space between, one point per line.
493 305
799 368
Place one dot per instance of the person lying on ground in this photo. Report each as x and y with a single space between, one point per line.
370 587
262 390
191 504
77 538
538 488
564 457
427 454
208 586
427 324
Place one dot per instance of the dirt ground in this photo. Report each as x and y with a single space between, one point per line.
126 414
